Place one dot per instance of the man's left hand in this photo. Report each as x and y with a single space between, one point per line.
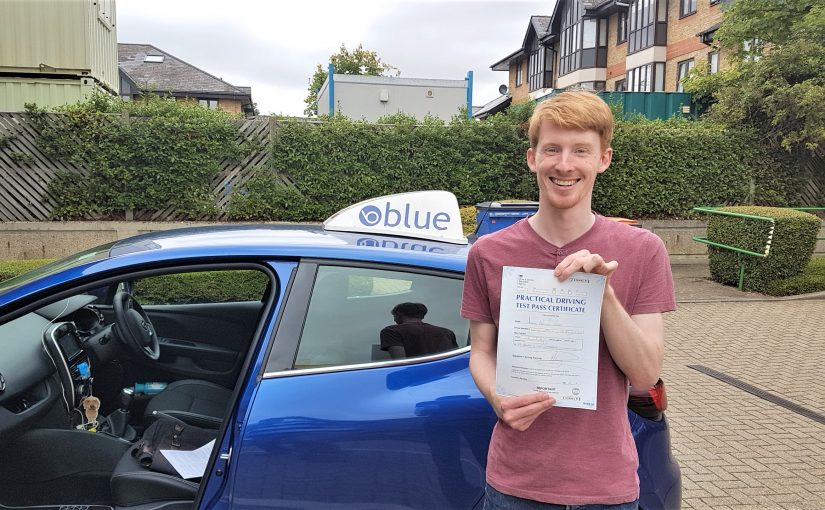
585 262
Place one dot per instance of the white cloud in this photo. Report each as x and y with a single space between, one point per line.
274 47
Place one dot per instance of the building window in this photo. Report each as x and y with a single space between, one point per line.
713 62
519 74
646 78
621 86
539 64
646 24
621 28
350 307
156 59
752 49
540 68
583 41
714 2
687 7
682 70
212 104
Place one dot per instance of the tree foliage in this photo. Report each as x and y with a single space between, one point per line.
358 61
780 92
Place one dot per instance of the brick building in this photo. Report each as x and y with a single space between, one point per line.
614 45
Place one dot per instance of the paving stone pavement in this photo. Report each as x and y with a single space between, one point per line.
737 450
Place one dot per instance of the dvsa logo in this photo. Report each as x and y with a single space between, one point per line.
388 216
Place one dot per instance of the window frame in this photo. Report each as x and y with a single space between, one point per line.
211 104
685 6
647 25
685 65
294 311
651 74
621 28
713 57
573 55
519 74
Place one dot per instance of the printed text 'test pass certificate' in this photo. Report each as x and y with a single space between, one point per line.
548 335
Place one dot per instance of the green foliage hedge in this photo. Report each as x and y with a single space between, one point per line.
341 162
11 268
792 244
812 279
201 287
661 169
156 153
184 288
146 154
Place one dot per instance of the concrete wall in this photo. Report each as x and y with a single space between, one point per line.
51 240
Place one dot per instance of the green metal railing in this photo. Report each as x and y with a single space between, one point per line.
739 251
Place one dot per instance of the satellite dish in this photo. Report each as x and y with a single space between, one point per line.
502 89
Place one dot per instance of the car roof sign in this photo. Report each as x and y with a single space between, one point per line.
432 215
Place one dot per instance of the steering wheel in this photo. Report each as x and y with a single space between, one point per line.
133 326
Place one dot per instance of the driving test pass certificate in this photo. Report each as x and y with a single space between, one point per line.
548 335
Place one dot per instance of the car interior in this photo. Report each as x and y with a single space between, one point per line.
81 379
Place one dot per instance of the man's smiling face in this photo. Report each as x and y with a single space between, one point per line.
566 162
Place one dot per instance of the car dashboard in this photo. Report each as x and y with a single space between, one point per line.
47 357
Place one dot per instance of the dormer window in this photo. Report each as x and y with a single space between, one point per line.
156 59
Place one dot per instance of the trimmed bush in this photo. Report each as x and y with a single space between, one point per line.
468 219
812 279
791 245
660 169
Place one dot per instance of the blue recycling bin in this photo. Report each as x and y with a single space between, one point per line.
493 216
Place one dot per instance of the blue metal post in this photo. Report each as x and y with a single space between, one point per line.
469 94
330 77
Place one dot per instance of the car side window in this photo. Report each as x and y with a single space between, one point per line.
350 319
201 287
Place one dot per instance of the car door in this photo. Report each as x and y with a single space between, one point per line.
335 423
204 319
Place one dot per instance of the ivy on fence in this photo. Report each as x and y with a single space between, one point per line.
138 155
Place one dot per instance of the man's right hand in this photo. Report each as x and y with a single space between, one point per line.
520 412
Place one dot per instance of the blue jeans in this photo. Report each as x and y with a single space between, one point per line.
494 500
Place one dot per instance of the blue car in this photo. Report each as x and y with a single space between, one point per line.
268 339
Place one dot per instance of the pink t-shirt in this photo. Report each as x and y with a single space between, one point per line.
571 456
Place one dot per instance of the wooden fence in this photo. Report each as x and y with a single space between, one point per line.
25 172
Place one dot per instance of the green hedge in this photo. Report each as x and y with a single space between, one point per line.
791 245
201 287
661 169
341 162
184 288
12 268
812 279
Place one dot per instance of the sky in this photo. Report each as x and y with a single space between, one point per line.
274 46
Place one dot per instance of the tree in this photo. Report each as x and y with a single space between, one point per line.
781 91
358 61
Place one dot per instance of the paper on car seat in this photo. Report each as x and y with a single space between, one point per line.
192 463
